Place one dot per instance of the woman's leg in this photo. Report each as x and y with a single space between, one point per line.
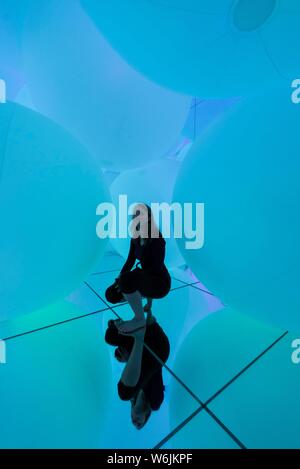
136 284
139 321
128 286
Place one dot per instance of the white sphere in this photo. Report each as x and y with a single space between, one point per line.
49 190
246 170
76 78
207 48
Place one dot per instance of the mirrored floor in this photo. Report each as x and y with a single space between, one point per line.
228 382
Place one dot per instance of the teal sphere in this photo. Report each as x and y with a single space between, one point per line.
56 385
49 190
78 80
202 47
246 171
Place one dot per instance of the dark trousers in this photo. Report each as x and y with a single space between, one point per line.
149 285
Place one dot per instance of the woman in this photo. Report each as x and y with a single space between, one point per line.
141 381
152 280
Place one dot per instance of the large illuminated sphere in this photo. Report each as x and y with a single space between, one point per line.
56 385
218 348
203 47
246 171
76 78
49 190
150 184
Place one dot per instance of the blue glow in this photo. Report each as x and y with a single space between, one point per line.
49 189
190 101
246 170
122 118
202 47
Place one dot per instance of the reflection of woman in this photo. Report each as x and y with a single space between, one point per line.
141 381
152 280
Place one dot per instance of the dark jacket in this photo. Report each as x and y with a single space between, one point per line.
151 256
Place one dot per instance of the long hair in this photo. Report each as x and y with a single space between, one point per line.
148 231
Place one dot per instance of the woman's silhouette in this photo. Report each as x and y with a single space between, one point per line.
151 280
141 381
